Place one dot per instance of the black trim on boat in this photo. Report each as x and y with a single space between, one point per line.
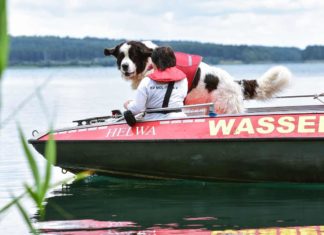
33 141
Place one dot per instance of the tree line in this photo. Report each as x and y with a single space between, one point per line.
52 51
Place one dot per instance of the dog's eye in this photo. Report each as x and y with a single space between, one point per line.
120 57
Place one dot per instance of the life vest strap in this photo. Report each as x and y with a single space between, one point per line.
168 95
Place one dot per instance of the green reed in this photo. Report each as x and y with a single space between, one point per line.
36 192
41 186
4 39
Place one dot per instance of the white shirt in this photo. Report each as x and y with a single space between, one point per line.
150 95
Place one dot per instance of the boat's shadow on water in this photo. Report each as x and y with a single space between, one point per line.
187 204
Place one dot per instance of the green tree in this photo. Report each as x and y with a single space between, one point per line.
50 50
313 53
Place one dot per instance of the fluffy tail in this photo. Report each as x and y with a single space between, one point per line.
269 84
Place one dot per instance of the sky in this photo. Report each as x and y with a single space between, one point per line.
295 23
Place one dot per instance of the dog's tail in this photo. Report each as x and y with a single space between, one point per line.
269 84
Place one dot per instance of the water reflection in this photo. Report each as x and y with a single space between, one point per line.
137 205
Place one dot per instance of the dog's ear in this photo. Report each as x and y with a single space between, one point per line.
111 51
147 51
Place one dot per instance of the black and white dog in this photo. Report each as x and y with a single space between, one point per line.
211 84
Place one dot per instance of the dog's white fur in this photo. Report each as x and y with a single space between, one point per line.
228 97
132 67
273 81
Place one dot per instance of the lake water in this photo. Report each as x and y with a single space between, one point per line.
35 98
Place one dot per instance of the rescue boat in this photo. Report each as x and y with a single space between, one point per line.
264 144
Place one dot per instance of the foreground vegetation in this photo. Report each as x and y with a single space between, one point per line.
3 37
42 184
54 51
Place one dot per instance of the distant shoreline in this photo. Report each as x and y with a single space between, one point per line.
49 51
75 65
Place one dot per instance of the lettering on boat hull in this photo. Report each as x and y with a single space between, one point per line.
260 126
232 127
129 131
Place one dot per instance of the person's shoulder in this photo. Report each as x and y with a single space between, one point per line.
183 84
145 82
184 81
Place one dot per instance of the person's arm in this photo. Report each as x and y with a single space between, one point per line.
139 104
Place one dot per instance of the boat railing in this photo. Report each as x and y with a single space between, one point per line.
314 96
194 110
286 109
203 110
206 109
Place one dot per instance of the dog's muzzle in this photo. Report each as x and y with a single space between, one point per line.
127 74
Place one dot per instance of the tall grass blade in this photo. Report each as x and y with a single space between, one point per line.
11 203
76 177
4 39
32 194
50 153
82 175
31 159
26 218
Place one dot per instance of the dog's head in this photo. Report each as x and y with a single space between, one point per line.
133 58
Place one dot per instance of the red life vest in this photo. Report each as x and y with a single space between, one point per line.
171 74
188 64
